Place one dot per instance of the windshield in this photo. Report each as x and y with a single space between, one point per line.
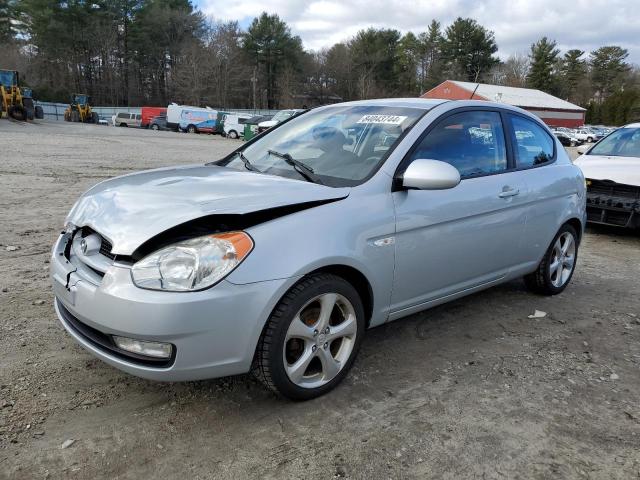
81 99
336 146
624 142
7 78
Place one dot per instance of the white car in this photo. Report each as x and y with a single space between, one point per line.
612 171
281 116
584 135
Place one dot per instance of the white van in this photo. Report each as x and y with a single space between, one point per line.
126 119
191 119
234 124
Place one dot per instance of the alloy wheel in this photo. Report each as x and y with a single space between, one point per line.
320 340
563 259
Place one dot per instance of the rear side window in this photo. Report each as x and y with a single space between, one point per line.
533 145
123 115
473 142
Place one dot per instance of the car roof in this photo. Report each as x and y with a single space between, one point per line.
424 103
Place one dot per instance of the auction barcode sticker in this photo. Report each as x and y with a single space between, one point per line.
383 119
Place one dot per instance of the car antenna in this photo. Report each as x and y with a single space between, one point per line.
474 91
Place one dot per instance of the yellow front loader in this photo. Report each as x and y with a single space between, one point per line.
79 110
11 96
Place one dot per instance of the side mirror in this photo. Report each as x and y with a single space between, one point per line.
424 174
582 149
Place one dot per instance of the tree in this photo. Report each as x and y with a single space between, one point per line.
608 69
375 55
430 65
409 56
468 49
574 73
6 16
270 44
544 59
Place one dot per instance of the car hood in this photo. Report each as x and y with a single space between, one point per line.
624 170
132 209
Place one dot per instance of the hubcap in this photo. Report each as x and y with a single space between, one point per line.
563 259
320 340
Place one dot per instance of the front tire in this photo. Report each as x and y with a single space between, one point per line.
155 127
558 264
192 129
232 134
311 338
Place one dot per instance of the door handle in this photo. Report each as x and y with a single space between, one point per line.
509 193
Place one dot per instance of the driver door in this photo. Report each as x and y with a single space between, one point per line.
450 241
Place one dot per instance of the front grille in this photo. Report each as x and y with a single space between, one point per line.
104 342
611 194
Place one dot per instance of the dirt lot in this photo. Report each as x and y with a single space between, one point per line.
473 389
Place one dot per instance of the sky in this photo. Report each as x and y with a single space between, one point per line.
583 24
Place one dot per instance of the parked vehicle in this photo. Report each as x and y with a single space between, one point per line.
149 113
281 116
586 135
159 123
198 120
612 170
127 119
234 124
103 121
279 256
566 139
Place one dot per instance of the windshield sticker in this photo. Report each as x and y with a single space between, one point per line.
383 119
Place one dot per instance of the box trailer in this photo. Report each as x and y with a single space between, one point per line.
149 113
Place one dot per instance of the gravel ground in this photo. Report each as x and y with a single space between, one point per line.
472 389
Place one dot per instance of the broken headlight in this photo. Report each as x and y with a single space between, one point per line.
193 264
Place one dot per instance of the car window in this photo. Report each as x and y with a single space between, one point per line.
473 142
138 117
123 115
532 144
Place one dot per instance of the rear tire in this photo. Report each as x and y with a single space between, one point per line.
192 129
155 127
558 264
95 118
39 112
232 134
75 116
311 338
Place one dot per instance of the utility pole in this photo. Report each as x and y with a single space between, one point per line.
254 81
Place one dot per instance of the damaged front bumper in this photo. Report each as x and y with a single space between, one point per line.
611 203
213 332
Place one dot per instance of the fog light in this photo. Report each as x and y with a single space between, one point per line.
150 349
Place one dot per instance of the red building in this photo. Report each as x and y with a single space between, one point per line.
553 111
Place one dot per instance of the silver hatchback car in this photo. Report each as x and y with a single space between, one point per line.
278 257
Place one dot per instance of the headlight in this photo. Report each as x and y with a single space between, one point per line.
192 264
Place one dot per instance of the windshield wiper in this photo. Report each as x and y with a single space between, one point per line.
247 163
302 168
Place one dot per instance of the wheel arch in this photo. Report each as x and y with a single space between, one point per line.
577 226
357 279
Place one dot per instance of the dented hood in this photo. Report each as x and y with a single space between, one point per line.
131 209
624 170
